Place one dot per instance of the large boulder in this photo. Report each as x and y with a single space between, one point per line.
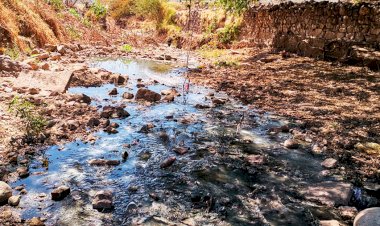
5 192
114 112
147 95
368 217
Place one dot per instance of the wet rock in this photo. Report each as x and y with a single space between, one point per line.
103 162
168 98
128 96
93 122
347 212
330 193
180 150
202 106
147 128
329 163
125 156
291 144
368 217
60 193
35 221
168 162
133 188
171 91
145 156
110 130
103 200
131 207
23 192
329 223
218 101
114 112
255 159
5 192
140 85
23 172
81 98
154 196
147 95
113 92
164 136
14 200
118 79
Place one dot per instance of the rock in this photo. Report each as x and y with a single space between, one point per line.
329 163
171 91
33 91
113 92
61 49
114 112
103 200
118 79
202 106
45 66
329 223
368 217
364 10
218 101
154 196
255 159
33 65
180 150
168 98
60 193
125 155
128 96
93 122
131 207
7 64
55 56
147 95
23 172
146 128
43 56
168 162
316 150
35 221
14 200
111 130
81 98
5 192
330 193
347 212
72 125
103 162
140 85
291 144
164 136
133 188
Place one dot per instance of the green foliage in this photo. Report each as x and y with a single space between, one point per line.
12 52
126 48
57 4
238 6
97 11
34 123
74 33
229 33
73 12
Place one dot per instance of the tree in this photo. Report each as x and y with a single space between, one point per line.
237 6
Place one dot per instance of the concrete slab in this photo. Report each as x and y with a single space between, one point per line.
57 81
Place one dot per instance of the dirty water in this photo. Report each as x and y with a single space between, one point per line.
212 184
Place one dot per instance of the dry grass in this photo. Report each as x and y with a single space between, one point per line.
30 19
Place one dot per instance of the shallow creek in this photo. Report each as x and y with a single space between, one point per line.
211 184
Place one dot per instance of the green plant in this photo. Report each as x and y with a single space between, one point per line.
236 6
73 12
33 122
74 33
13 52
126 48
228 34
57 4
97 11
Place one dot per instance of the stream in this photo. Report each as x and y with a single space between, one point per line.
212 184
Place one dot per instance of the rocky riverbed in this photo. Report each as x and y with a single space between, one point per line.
128 145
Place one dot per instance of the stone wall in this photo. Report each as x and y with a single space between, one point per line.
324 30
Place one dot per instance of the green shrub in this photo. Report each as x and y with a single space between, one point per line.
34 123
126 48
229 33
73 12
12 52
97 11
57 4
